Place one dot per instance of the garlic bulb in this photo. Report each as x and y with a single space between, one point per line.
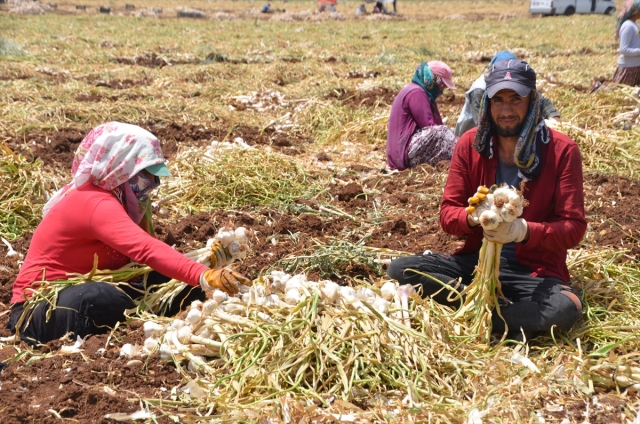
366 294
241 235
184 334
388 290
330 291
151 328
225 236
151 344
193 316
490 220
501 196
510 212
296 282
381 305
219 296
347 294
515 199
178 324
209 306
292 297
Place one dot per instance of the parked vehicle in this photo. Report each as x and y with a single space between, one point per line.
569 7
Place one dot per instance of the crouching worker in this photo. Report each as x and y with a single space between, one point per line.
416 133
510 145
104 211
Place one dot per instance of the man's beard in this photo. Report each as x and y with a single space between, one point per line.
509 132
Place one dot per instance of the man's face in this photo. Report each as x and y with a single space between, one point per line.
508 112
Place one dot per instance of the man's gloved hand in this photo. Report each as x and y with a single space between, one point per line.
222 279
220 257
507 232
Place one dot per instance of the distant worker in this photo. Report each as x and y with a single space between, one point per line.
628 70
266 8
361 10
469 116
416 133
327 5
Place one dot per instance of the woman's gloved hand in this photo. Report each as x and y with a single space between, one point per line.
506 232
222 279
220 257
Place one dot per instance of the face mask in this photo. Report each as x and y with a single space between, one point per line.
141 185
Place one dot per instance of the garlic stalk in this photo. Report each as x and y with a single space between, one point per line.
10 251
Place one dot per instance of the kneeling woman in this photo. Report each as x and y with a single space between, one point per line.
416 133
103 212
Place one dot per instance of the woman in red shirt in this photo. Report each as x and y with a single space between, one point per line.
102 213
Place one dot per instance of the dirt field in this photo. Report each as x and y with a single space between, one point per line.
334 80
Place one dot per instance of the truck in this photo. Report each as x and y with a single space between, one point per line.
569 7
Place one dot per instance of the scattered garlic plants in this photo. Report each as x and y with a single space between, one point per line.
288 333
260 102
489 207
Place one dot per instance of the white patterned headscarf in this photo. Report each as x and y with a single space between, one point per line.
109 156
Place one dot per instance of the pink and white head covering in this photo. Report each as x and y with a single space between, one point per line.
109 156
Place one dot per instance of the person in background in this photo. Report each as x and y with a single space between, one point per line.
103 215
327 5
361 10
512 144
628 70
416 133
266 8
469 116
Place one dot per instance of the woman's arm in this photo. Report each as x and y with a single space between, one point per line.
111 225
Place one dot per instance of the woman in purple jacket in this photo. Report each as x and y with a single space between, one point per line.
416 133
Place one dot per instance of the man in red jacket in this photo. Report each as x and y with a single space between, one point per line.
512 144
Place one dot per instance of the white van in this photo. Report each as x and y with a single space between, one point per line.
569 7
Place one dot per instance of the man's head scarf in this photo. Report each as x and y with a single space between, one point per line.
629 8
108 157
424 78
534 133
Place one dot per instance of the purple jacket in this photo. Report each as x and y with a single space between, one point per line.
411 111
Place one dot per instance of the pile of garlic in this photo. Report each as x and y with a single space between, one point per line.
208 324
491 206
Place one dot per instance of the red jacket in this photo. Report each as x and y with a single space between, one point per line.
88 221
556 203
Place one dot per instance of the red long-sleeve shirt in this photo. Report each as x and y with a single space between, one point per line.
88 221
556 202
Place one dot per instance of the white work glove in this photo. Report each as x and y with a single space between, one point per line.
506 232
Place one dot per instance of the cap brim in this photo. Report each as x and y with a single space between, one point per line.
159 170
522 90
450 85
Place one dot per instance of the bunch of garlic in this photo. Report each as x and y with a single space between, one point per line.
491 206
234 242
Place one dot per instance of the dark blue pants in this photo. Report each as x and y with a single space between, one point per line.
538 303
90 308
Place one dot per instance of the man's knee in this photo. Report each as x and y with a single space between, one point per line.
397 269
560 311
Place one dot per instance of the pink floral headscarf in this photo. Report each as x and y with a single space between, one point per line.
109 156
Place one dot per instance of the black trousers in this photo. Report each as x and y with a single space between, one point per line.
538 303
90 308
